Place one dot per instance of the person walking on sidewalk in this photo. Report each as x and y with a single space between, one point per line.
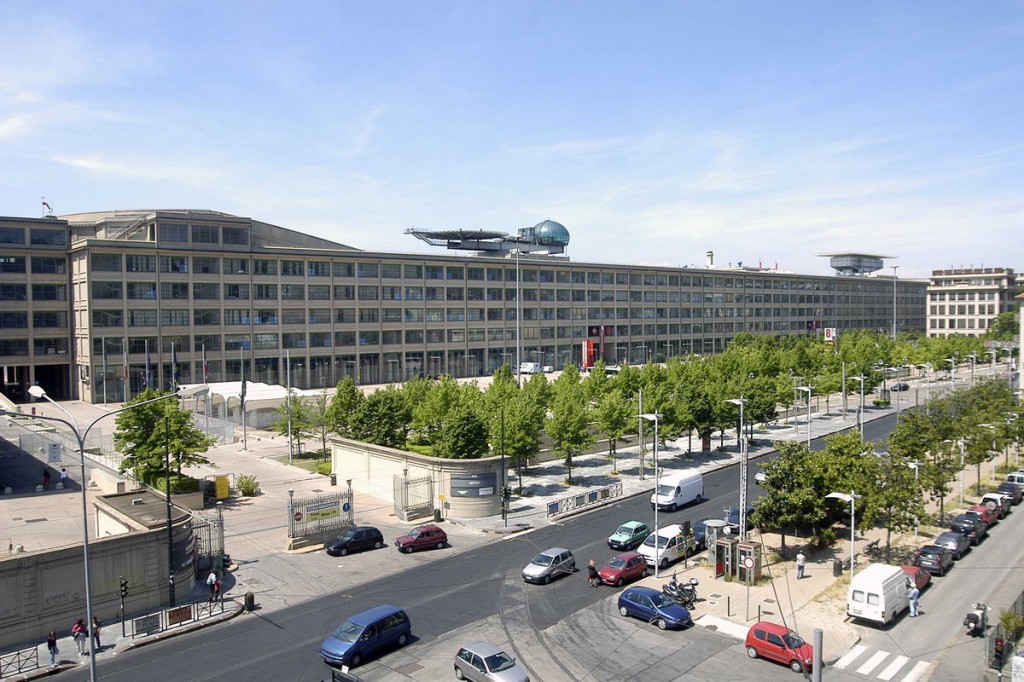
46 479
211 582
913 596
79 633
51 644
96 633
64 477
801 561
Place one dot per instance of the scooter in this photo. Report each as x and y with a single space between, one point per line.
685 595
976 620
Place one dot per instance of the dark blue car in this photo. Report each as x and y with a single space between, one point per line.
654 607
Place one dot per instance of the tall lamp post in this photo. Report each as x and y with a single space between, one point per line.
743 468
860 413
807 390
655 417
39 393
850 497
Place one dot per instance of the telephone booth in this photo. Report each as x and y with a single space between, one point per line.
748 568
726 556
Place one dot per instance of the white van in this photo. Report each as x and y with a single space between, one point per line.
1016 477
668 547
878 594
678 490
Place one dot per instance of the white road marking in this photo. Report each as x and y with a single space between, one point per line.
849 656
893 668
917 672
872 663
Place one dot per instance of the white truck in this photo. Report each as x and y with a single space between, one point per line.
878 594
678 490
529 368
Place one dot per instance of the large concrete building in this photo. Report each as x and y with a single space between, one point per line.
964 301
98 305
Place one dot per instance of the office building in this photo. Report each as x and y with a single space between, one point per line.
964 301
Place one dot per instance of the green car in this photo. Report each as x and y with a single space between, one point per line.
629 535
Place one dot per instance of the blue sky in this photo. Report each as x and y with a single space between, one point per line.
766 132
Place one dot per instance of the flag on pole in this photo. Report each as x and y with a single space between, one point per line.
147 383
206 368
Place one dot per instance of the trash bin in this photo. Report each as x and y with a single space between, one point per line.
334 479
837 567
250 601
437 515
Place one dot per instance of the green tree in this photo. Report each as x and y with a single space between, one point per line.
1003 327
569 427
145 434
614 418
431 413
791 498
517 433
463 435
896 496
299 421
383 418
344 406
320 422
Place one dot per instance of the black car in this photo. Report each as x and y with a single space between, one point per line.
1014 490
902 386
733 518
355 539
934 559
700 534
957 543
971 526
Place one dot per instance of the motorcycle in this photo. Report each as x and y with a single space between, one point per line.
685 595
976 620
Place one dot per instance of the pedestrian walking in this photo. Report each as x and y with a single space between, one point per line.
79 633
913 596
215 591
801 562
64 477
96 633
51 644
211 582
46 479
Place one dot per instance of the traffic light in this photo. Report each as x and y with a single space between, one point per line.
997 652
124 587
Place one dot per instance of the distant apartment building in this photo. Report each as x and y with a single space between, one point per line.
97 306
964 301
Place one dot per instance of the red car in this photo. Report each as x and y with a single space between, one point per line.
778 643
989 516
918 576
623 568
421 538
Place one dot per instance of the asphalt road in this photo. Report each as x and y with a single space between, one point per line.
558 627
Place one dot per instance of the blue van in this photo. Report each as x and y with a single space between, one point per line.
365 634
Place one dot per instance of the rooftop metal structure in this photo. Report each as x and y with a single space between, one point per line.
544 238
850 264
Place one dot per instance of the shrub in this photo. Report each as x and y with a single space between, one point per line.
324 468
247 485
826 537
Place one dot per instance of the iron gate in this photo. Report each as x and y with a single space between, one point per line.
414 497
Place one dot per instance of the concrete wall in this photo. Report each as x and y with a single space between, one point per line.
372 469
45 590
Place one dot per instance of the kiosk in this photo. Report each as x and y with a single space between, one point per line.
749 564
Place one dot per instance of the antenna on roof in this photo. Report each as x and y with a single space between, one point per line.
49 209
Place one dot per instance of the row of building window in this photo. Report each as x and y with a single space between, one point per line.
41 319
986 309
41 265
37 236
966 296
203 234
40 292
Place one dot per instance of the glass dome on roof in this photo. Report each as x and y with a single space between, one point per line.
551 233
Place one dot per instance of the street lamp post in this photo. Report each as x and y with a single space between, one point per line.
807 390
743 468
916 466
850 497
519 324
655 417
38 392
860 413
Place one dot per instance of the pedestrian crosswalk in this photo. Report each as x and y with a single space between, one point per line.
881 665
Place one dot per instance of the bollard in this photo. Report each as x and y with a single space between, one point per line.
437 516
837 567
334 479
250 602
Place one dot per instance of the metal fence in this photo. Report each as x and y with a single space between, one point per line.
413 496
208 535
174 617
584 499
19 661
320 514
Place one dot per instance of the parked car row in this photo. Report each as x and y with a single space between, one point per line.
360 538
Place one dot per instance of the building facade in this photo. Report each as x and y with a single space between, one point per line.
130 299
964 301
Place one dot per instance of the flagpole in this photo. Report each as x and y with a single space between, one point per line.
245 438
206 398
148 374
126 369
288 399
103 342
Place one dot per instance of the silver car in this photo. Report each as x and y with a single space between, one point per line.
483 662
549 564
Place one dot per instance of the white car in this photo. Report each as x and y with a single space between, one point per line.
549 564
